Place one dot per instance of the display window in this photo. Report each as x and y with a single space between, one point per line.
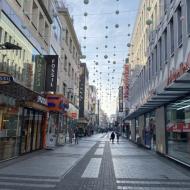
9 132
178 129
150 131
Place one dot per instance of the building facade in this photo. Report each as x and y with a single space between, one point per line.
23 112
159 112
84 98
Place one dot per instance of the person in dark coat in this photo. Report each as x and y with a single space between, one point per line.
76 136
112 137
117 135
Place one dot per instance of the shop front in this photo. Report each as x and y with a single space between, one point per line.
150 131
10 116
57 120
178 130
32 127
21 120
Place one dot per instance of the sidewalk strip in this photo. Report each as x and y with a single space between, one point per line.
92 169
99 151
152 188
153 182
27 185
29 179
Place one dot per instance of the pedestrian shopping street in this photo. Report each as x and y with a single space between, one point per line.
94 164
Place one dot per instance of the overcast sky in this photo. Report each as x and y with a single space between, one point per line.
101 15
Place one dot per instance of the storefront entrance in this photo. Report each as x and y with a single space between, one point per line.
150 131
31 132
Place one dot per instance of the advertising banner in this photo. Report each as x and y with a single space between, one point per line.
51 72
39 75
121 99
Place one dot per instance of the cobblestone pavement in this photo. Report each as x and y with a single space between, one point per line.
94 164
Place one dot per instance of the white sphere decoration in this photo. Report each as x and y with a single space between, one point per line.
106 46
85 14
128 45
86 2
106 36
96 63
84 37
106 27
96 55
114 62
105 56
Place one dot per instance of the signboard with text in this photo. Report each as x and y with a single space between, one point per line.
5 78
121 99
51 72
39 74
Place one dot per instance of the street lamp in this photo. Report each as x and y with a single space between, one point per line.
9 46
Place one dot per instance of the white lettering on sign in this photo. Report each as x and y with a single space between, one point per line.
42 100
52 72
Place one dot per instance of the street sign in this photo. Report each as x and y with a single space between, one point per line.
5 78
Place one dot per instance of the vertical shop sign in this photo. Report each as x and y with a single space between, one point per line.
51 72
126 81
121 99
39 74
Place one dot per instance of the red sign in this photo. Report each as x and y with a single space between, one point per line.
186 127
126 81
175 74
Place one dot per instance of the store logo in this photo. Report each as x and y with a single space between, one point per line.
5 78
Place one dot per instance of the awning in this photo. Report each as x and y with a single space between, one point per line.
178 88
20 93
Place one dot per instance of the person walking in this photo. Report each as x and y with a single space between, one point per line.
76 136
112 137
117 135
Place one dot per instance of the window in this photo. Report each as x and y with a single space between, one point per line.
179 25
160 46
46 34
65 63
69 70
0 34
70 45
41 24
34 15
64 89
172 36
72 74
73 52
188 16
165 45
5 37
156 59
67 37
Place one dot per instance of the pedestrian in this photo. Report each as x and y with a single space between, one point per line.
112 137
76 136
118 135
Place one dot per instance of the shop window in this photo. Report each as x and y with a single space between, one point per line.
178 129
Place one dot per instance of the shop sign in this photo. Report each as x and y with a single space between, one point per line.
121 99
5 78
51 72
175 74
42 100
186 127
126 81
39 74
